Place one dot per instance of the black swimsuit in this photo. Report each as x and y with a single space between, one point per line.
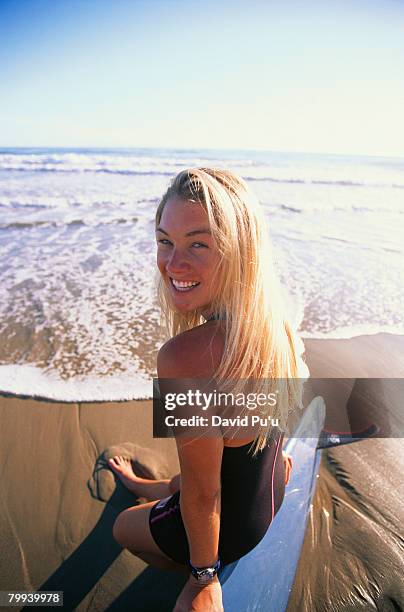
252 491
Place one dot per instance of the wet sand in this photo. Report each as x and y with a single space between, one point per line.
353 553
59 501
352 558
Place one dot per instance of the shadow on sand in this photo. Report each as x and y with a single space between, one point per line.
153 590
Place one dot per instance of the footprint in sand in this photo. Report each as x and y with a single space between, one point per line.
145 462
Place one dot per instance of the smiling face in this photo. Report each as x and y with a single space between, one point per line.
187 256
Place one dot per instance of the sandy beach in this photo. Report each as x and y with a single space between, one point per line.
59 503
59 500
352 556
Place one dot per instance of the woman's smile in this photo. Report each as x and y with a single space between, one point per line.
184 285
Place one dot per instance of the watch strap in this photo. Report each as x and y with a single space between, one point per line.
205 574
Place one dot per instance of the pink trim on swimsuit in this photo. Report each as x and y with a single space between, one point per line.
166 513
272 480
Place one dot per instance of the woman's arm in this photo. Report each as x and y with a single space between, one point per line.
200 461
189 356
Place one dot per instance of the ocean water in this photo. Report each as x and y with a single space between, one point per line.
79 319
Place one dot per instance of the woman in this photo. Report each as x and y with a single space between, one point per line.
223 309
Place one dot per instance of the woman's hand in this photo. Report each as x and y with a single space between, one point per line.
288 463
197 598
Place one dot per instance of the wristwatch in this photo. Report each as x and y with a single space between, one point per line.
204 575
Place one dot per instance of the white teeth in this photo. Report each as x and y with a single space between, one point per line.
184 284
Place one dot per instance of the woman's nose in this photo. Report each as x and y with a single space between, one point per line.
177 262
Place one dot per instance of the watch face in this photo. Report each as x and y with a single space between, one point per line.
206 572
206 575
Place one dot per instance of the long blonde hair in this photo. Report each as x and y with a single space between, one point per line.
259 341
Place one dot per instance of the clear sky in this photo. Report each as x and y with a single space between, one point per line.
321 76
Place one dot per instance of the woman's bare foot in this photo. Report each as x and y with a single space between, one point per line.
142 487
122 467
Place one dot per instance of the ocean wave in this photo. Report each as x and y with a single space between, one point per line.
45 169
144 165
331 183
344 183
32 381
173 171
297 173
326 207
74 222
290 208
86 208
271 179
14 204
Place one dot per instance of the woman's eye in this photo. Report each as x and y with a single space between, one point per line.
166 242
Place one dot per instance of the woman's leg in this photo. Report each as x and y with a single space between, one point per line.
143 487
132 531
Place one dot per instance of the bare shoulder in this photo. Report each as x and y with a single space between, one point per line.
195 353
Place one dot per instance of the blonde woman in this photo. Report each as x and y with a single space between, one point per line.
222 304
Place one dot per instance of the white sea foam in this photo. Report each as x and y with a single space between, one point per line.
110 163
32 381
354 331
318 170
